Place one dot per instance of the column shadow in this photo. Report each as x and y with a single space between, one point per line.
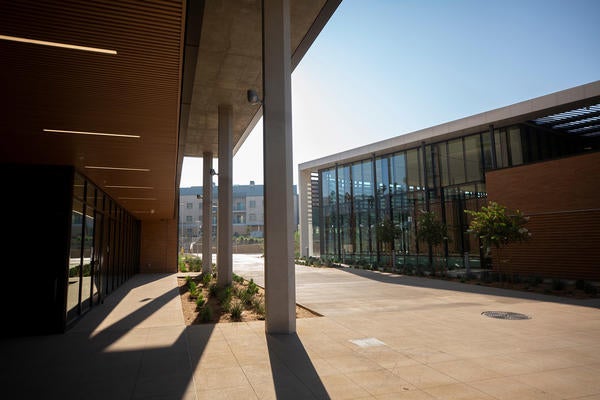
110 364
294 375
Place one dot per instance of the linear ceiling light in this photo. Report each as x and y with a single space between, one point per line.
56 44
137 198
91 133
128 187
117 168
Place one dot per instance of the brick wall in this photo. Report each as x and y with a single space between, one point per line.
562 199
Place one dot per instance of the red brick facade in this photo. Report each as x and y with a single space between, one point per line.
562 199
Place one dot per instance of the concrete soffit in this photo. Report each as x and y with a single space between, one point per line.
223 59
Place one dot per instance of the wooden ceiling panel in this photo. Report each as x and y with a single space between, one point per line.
135 92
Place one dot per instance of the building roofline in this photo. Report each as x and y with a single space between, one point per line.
578 96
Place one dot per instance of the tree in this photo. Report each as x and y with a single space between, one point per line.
431 231
496 226
386 233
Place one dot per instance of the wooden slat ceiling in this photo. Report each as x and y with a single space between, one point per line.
140 90
134 92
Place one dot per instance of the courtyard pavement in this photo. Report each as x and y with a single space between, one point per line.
381 336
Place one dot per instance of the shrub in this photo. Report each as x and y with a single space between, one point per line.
224 293
206 278
193 288
252 287
213 289
258 303
200 301
188 279
182 266
235 310
206 313
496 226
224 297
245 296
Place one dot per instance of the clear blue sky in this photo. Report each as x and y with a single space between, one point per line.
381 69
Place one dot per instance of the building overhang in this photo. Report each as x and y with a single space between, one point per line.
148 74
224 42
578 103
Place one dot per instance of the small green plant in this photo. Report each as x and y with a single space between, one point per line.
258 303
200 301
188 279
206 313
224 293
195 263
213 289
206 279
193 289
252 287
181 262
245 296
224 296
235 310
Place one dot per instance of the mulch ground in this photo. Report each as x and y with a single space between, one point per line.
191 314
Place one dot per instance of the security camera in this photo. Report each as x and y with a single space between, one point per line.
253 97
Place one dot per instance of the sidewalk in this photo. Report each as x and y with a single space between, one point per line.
381 337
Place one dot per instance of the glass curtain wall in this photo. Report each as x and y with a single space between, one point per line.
104 250
364 210
446 178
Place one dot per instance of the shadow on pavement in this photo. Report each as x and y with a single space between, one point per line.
435 283
119 362
294 375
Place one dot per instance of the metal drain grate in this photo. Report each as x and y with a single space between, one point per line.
505 315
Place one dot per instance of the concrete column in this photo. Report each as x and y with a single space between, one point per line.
224 213
207 162
305 226
280 284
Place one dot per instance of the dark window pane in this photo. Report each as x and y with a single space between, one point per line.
413 173
501 148
473 158
516 149
456 161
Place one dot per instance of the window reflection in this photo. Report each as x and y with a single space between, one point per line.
86 273
103 248
75 260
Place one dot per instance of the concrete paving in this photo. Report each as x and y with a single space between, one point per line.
381 337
